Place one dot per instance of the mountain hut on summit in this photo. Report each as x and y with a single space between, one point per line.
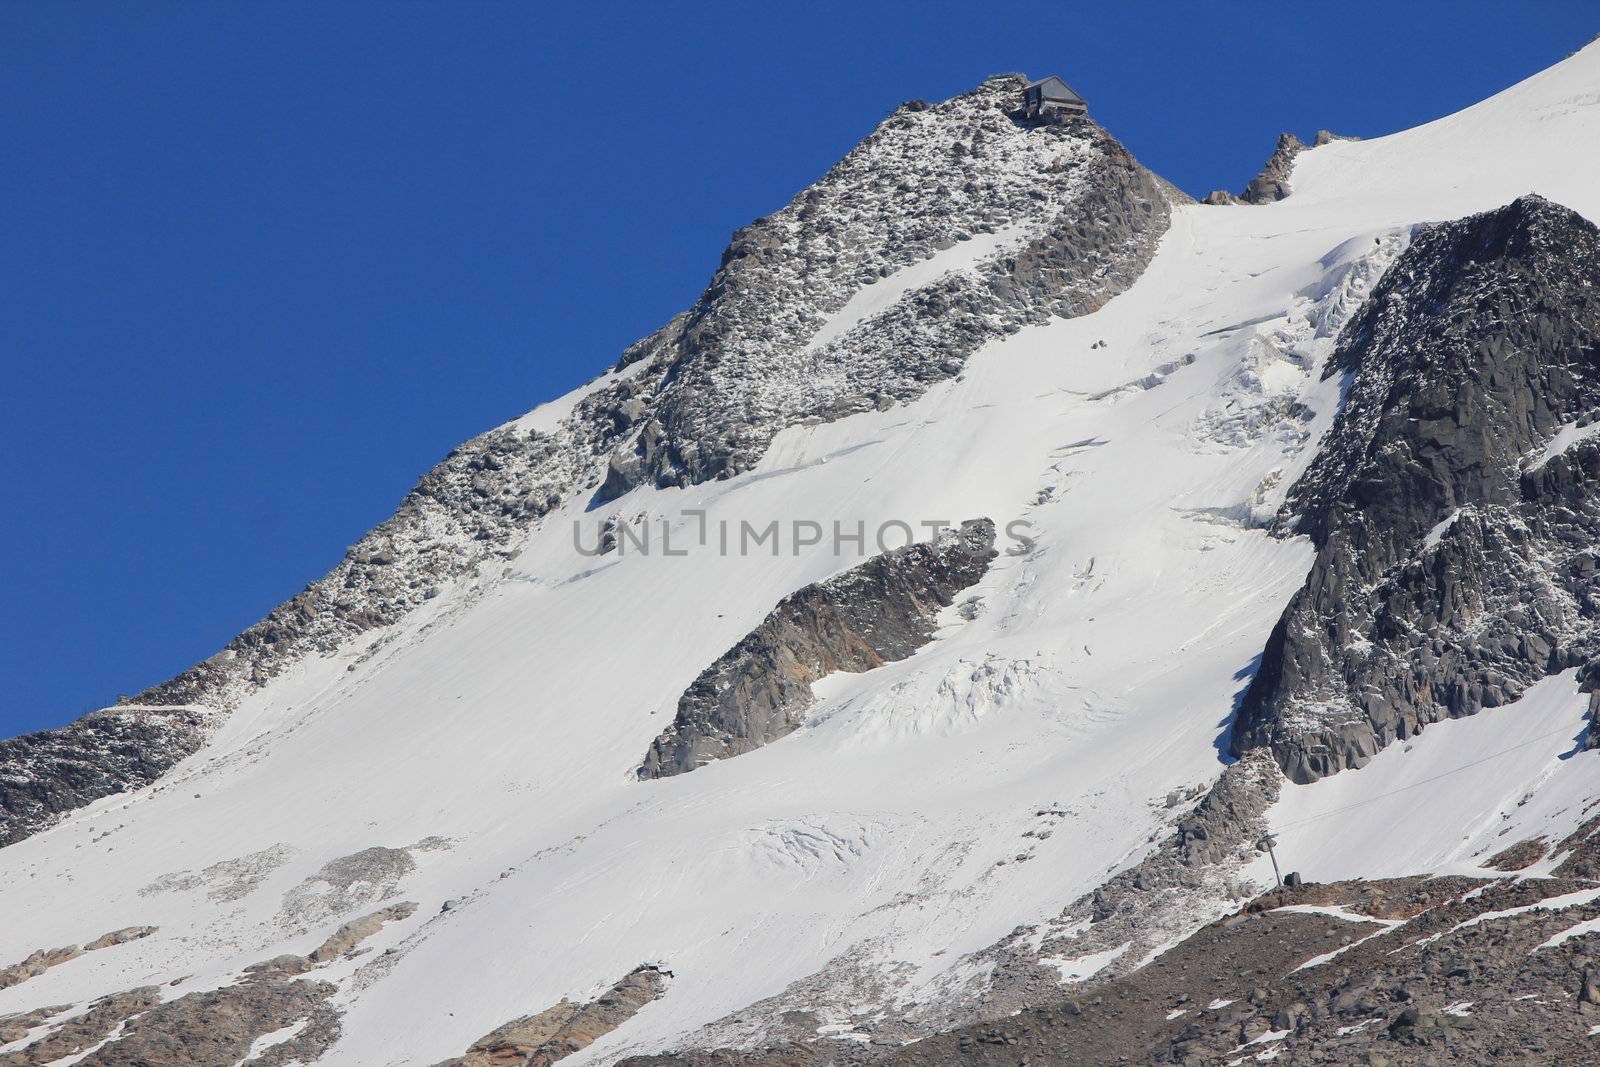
1052 95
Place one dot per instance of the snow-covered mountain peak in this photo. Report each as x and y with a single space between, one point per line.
937 777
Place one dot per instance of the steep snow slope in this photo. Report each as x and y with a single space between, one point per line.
859 868
1535 137
1449 799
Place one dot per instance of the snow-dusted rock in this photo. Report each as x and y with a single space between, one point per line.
1475 350
880 611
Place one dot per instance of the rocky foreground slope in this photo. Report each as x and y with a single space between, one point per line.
1391 972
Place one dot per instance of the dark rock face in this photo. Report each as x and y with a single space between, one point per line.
53 771
880 611
1455 565
747 361
1426 990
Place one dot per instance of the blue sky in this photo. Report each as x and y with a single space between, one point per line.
264 264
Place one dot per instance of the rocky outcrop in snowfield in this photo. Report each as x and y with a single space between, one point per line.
42 960
1271 184
1401 972
268 1016
880 611
553 1034
1273 181
1453 503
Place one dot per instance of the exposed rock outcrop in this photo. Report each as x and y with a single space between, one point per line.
341 944
1079 216
1453 504
218 1027
53 771
771 1056
1271 183
84 1031
880 611
348 937
17 1025
211 1028
119 937
43 959
557 1032
36 963
1438 975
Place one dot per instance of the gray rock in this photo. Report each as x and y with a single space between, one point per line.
1448 576
1328 137
874 613
45 774
745 364
1272 183
216 1028
119 937
17 1025
85 1030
